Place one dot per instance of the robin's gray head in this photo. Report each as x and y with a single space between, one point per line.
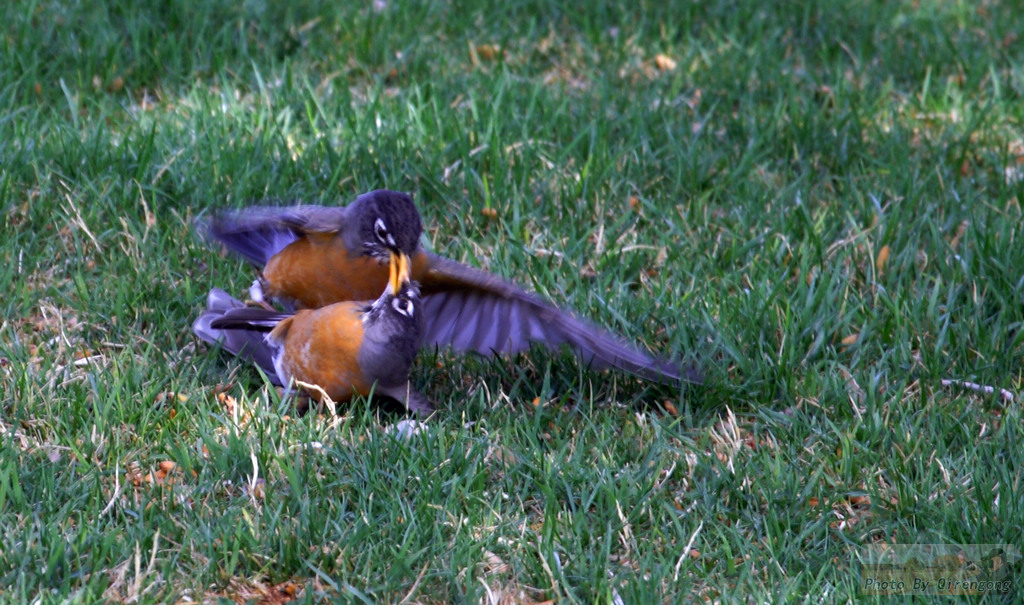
388 222
392 327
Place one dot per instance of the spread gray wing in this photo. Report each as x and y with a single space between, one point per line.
260 232
471 310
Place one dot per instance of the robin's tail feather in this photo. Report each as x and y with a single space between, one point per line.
238 329
256 236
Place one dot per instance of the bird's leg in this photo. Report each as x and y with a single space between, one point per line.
261 304
417 403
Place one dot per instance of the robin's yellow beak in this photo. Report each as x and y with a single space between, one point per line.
399 272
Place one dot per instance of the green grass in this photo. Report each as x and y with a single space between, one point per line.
822 202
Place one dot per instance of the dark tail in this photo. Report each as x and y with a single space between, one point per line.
220 324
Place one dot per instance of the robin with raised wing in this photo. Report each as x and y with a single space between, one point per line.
346 348
314 256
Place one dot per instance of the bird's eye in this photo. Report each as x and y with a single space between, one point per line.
381 230
403 306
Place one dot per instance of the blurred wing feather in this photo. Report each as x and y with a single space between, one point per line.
260 232
471 310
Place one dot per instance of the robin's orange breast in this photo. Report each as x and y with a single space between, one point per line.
322 347
317 270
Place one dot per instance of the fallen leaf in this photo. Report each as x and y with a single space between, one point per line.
168 397
258 491
487 52
859 501
227 401
289 588
664 62
960 230
883 256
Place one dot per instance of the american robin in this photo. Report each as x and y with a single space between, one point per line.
314 256
346 348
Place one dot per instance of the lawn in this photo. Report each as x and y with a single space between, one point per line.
820 201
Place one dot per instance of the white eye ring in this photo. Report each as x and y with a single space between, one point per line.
381 230
403 306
